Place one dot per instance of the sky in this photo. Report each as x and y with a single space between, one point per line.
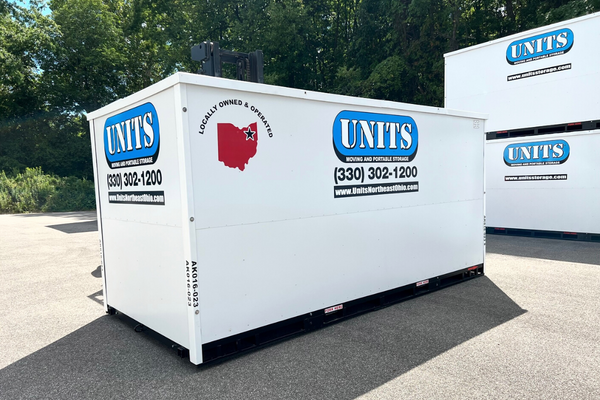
25 3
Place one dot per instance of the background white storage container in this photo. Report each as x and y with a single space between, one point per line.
233 213
539 89
553 197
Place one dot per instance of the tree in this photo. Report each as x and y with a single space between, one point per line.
85 67
24 33
87 53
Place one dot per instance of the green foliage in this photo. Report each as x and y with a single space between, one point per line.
71 194
34 191
35 130
55 68
22 34
390 79
289 47
84 66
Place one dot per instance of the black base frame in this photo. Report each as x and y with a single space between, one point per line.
545 130
318 319
311 321
587 237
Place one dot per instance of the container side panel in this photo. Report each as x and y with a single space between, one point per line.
99 215
563 196
272 271
301 204
292 174
146 282
138 184
550 87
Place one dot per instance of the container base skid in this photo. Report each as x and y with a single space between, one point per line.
587 237
566 127
317 319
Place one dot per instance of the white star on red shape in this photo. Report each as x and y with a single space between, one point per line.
249 134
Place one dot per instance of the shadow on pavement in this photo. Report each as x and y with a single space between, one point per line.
97 273
81 215
547 249
98 297
76 227
107 359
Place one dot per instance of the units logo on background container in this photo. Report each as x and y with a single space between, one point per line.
537 47
132 137
369 137
550 152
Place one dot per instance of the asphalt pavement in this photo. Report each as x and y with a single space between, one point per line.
528 329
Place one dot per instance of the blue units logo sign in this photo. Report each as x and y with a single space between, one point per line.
537 47
369 137
550 152
132 137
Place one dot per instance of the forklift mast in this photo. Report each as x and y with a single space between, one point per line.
249 66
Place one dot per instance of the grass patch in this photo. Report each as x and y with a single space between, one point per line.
33 191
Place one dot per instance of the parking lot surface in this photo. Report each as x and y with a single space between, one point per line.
528 329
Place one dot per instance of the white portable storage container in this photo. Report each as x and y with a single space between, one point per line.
234 213
539 89
546 197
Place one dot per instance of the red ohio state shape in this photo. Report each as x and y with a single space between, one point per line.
237 146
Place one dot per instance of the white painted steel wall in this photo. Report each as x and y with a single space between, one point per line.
142 244
269 239
476 79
